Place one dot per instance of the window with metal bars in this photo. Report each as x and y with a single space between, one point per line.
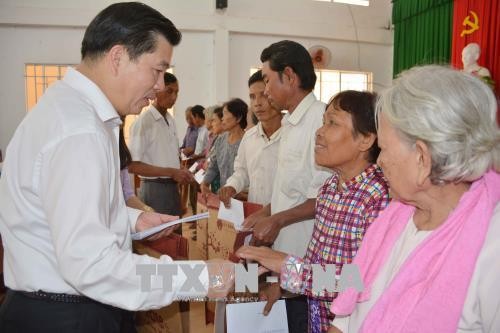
38 77
330 82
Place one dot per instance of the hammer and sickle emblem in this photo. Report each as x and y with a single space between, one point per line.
474 25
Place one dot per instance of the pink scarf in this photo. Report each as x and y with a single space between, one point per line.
428 292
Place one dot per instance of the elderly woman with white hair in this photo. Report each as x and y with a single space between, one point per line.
429 263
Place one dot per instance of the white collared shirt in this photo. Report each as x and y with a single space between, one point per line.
201 140
153 141
63 220
298 178
255 165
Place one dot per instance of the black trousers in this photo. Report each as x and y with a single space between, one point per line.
162 195
20 313
296 311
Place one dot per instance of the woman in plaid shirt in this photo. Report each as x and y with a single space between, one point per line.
346 205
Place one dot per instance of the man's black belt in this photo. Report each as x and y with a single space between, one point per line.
159 180
54 297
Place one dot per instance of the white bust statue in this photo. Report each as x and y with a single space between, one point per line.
470 55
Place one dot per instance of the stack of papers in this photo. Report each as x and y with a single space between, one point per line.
154 230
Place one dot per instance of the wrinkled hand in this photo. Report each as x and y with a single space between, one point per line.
183 176
334 329
220 278
266 230
270 259
225 195
149 220
271 292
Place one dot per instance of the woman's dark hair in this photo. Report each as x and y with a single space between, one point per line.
131 24
292 54
361 106
239 110
125 157
197 111
218 112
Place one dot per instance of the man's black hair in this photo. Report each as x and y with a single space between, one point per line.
287 53
134 25
197 111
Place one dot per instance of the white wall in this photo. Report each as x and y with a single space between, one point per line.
218 47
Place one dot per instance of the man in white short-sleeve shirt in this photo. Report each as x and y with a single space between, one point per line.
255 164
154 147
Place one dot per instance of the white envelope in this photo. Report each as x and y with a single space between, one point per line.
199 176
235 214
193 167
248 318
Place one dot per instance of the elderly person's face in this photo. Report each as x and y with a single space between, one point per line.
228 120
398 161
216 125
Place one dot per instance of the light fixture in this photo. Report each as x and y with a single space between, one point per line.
354 2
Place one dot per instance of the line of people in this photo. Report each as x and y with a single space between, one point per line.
404 185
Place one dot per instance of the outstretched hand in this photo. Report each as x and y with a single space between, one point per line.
183 176
148 220
221 278
266 230
270 259
252 219
225 195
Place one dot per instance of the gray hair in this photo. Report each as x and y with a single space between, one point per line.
209 112
453 112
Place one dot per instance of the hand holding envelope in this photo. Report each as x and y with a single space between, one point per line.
193 167
270 259
226 193
160 225
150 220
183 156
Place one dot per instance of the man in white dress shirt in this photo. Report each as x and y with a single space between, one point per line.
288 220
65 228
154 146
255 164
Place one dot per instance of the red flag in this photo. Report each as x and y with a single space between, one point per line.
477 21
